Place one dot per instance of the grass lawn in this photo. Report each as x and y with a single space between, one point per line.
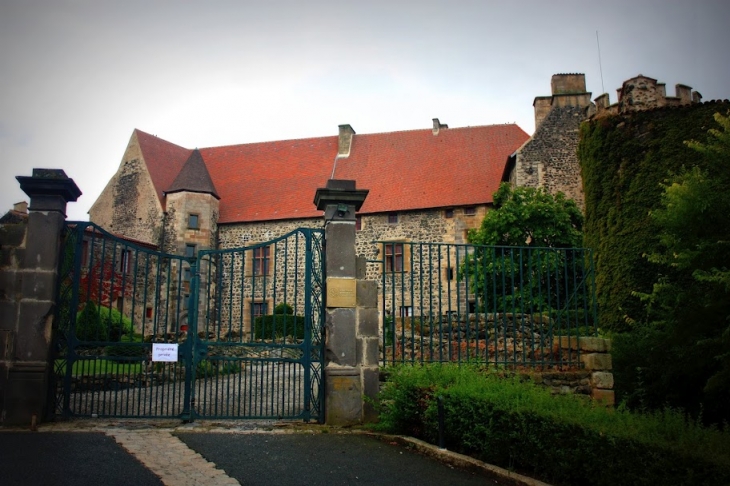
101 366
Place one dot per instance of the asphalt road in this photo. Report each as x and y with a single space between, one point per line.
68 459
325 459
84 458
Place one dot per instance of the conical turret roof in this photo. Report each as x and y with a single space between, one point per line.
194 177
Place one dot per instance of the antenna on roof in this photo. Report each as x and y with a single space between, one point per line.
603 89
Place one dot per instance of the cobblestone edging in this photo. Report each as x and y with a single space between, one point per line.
170 459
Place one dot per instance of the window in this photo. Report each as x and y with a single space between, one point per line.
472 307
406 311
449 273
449 213
358 223
261 261
393 218
125 261
84 253
394 257
470 211
148 312
187 275
259 309
189 251
193 222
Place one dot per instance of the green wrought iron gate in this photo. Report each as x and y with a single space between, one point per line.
246 324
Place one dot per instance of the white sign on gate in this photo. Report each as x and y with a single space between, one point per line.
164 352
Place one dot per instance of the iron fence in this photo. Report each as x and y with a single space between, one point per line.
506 306
247 324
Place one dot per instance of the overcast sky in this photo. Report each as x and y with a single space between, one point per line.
78 76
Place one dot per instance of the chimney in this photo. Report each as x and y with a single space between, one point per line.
542 106
21 207
437 125
344 140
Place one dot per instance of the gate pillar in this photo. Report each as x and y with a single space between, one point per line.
27 319
351 319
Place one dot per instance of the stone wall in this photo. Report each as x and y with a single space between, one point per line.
549 159
643 93
129 205
12 254
435 225
178 233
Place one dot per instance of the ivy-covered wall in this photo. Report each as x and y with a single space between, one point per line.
624 160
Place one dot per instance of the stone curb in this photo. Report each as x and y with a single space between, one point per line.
461 460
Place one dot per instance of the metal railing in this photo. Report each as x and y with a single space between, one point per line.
247 323
505 306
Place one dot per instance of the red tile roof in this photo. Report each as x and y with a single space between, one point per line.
403 170
415 169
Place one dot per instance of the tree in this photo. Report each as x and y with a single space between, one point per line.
526 216
527 257
89 325
687 333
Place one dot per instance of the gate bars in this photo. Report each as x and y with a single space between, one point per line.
247 323
504 306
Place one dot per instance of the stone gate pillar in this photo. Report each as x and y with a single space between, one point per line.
351 340
31 281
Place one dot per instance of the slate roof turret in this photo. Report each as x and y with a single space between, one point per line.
194 177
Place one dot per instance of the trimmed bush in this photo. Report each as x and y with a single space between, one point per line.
116 323
278 326
129 346
564 439
101 324
89 325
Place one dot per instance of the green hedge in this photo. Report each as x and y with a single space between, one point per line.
624 159
278 326
564 439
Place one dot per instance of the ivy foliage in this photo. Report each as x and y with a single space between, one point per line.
658 216
624 163
688 308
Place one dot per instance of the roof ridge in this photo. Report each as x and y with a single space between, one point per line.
304 139
268 142
450 129
158 138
